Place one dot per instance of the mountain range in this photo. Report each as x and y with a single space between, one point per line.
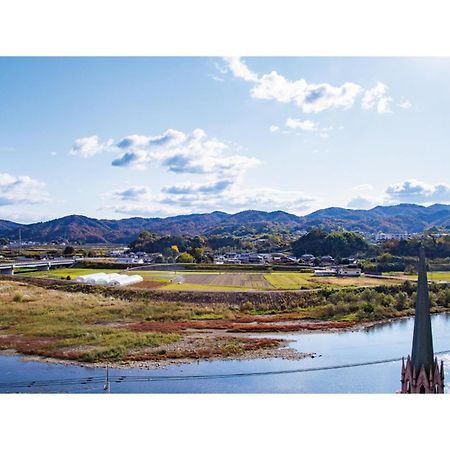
75 228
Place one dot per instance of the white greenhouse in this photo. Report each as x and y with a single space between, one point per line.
109 279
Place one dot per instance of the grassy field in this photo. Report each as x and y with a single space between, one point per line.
97 329
291 280
74 326
432 276
62 272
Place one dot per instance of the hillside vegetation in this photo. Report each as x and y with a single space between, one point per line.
391 219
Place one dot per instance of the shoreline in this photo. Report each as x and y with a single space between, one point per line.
283 351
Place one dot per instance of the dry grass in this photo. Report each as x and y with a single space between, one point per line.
361 281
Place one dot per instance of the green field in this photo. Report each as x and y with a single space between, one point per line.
432 276
291 280
235 281
61 273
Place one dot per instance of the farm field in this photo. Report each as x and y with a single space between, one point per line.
61 273
211 281
361 281
432 276
233 281
290 280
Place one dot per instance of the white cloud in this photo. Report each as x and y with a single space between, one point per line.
224 195
308 97
169 138
377 97
361 202
21 189
304 125
363 187
404 103
133 193
89 146
214 187
312 97
180 153
418 192
24 217
146 211
267 199
240 69
136 158
294 125
364 197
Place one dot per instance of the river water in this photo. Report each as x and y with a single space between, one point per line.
275 375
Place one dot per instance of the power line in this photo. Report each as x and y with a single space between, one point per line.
155 378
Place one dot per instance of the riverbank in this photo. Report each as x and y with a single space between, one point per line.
99 329
193 348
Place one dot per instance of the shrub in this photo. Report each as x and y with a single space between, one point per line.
246 306
367 307
18 297
443 298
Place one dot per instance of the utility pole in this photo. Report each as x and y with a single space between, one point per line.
107 385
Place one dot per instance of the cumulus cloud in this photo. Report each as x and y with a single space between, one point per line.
312 97
192 188
304 125
136 158
418 192
133 193
377 97
222 194
21 189
181 153
298 125
309 97
361 202
267 199
169 137
89 146
240 69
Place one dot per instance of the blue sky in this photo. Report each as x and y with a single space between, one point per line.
121 137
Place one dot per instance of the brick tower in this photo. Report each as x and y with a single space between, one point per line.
422 374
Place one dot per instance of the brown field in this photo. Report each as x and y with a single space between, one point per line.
357 281
236 280
148 285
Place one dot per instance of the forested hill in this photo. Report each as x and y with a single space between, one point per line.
390 219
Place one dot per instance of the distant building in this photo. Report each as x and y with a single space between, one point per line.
130 260
327 261
348 272
381 237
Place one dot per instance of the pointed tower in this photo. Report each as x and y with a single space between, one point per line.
422 374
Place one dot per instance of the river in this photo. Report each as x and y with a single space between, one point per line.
275 375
